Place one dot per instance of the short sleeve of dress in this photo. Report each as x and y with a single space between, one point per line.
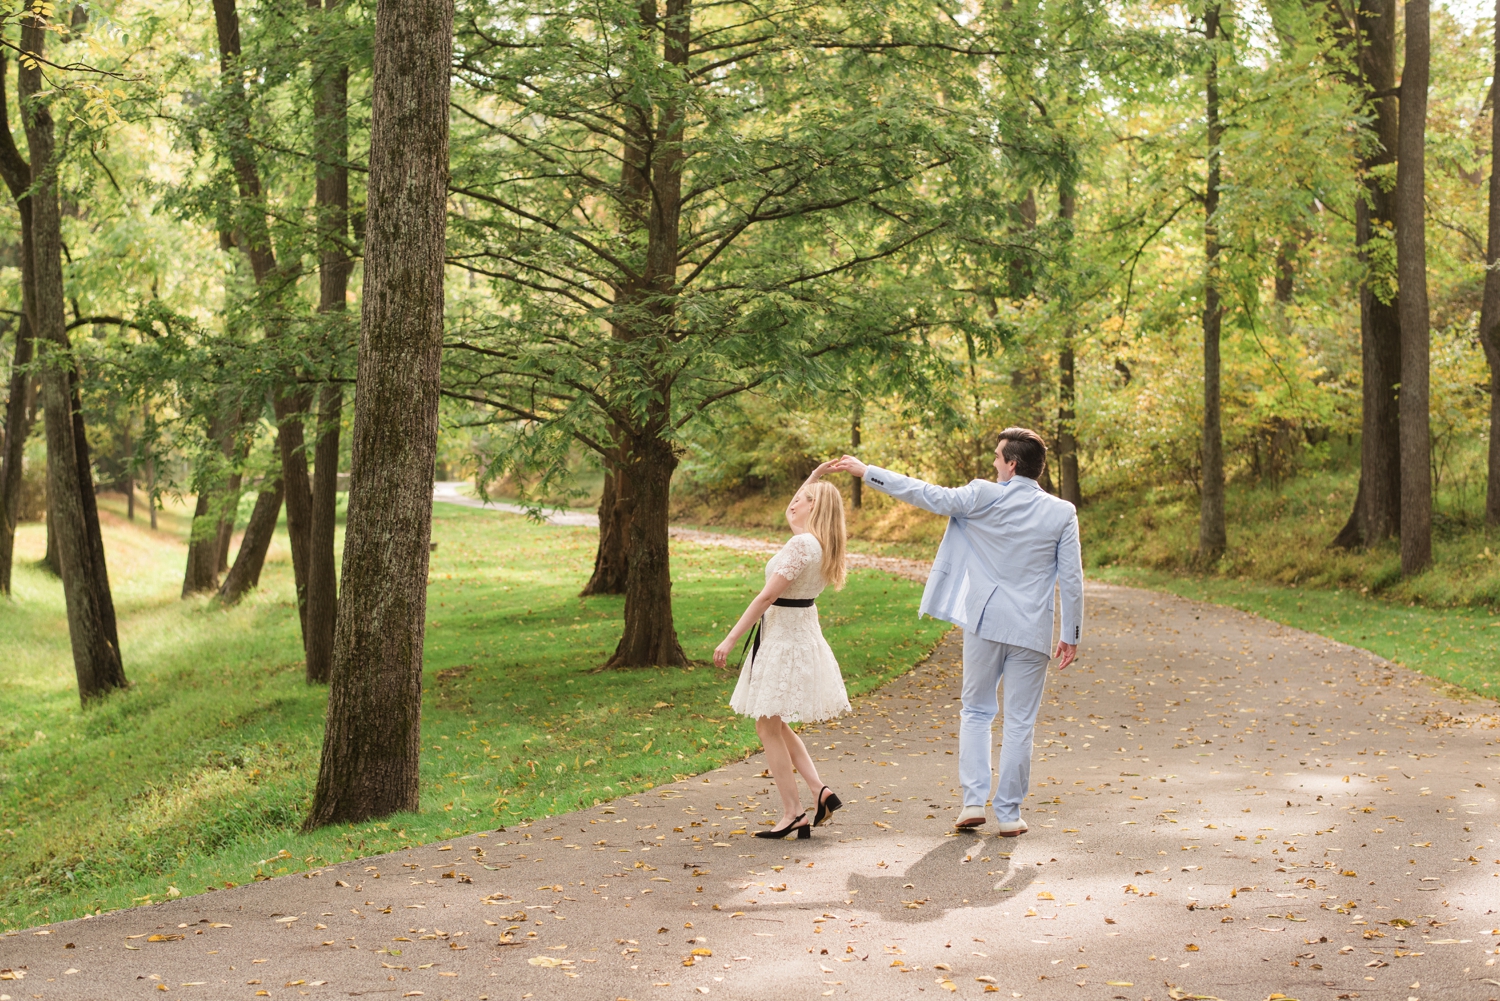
794 557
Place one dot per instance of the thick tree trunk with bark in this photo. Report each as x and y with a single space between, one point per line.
372 742
96 655
331 155
244 575
649 638
1212 536
1370 38
1489 315
612 559
1411 266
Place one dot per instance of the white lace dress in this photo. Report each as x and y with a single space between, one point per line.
795 675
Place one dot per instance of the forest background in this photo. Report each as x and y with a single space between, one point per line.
691 251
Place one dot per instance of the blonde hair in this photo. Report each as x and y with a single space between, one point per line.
826 523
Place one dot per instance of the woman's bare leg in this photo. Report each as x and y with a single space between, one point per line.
801 760
770 729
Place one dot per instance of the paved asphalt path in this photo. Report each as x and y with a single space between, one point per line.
1222 807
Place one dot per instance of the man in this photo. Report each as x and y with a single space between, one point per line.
1007 544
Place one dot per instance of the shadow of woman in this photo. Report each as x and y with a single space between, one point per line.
954 874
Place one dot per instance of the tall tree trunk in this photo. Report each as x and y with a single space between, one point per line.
372 742
96 654
244 575
323 580
254 238
331 154
92 532
611 560
1370 39
1411 265
649 637
1489 315
1212 536
1067 416
18 410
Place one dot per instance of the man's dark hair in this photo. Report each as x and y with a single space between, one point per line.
1026 449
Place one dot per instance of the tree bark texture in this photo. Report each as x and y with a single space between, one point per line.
1411 265
649 637
1371 39
331 155
1212 535
96 655
253 236
244 575
20 408
372 742
612 559
1489 313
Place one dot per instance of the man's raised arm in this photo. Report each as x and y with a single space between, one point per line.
952 502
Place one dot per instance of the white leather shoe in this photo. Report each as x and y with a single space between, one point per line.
970 816
1011 828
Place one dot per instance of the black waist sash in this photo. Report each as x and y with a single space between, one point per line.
752 642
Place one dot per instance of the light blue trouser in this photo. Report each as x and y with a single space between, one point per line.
1024 672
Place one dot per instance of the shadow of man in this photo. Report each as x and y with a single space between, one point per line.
954 874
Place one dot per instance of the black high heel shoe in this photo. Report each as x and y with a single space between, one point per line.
826 806
798 824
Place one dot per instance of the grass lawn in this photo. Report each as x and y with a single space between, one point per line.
1458 645
198 776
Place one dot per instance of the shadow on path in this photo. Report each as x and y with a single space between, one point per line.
952 875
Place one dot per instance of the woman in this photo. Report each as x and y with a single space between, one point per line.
791 674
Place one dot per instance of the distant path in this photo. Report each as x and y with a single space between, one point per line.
447 492
1223 808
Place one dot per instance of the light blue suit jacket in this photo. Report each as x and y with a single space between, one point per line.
1006 546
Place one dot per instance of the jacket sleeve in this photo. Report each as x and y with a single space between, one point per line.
1070 582
952 502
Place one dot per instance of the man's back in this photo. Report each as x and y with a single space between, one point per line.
1006 546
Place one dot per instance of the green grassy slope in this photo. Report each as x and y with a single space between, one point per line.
198 776
1460 646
